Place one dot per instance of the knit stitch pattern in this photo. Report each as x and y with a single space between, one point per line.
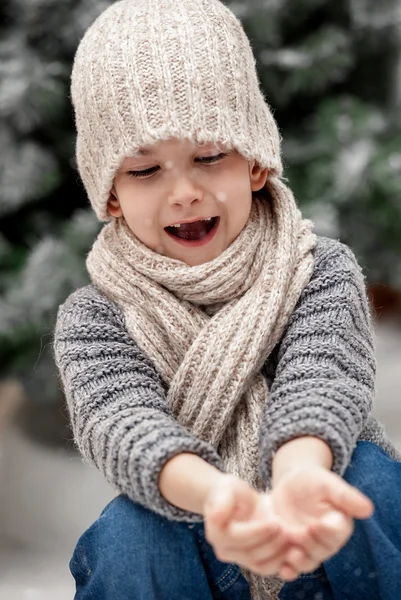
151 70
209 329
321 374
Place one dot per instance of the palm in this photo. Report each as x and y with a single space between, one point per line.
301 498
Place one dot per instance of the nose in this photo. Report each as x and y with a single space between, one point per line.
184 191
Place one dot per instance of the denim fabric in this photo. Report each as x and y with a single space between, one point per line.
368 567
131 553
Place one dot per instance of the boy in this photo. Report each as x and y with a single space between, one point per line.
220 369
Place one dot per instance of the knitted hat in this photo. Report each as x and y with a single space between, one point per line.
150 70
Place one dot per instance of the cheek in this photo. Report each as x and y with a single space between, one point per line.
238 200
141 215
235 180
241 213
137 206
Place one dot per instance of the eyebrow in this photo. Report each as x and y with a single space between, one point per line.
147 151
142 152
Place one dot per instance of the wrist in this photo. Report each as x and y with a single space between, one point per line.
186 480
300 453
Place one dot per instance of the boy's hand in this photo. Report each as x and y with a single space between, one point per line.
242 528
317 508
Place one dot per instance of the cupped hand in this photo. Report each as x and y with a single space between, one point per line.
316 508
242 528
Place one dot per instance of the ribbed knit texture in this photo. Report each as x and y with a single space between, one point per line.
173 361
150 70
209 329
321 373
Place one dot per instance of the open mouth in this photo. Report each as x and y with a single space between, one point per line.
198 231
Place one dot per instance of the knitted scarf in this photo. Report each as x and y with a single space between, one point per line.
209 329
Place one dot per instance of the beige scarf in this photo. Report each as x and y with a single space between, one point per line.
209 329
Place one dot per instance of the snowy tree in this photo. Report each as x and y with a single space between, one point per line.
46 227
330 70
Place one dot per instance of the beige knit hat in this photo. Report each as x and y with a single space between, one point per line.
150 70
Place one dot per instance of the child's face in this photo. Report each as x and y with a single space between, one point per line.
176 181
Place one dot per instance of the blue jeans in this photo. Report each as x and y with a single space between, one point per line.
131 553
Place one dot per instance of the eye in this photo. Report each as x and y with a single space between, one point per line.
211 159
144 173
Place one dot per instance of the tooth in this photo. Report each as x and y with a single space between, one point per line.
178 224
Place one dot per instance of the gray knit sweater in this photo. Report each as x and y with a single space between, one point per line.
321 377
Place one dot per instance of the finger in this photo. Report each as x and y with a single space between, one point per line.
264 552
232 499
324 537
299 536
330 533
287 573
259 555
220 507
251 544
247 535
268 567
349 499
267 558
300 561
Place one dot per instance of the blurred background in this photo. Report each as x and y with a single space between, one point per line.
331 70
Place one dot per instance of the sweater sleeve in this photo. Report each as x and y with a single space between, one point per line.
325 375
117 404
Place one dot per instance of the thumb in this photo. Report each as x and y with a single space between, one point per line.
233 499
350 500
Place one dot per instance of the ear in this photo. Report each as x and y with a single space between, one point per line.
258 176
113 205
